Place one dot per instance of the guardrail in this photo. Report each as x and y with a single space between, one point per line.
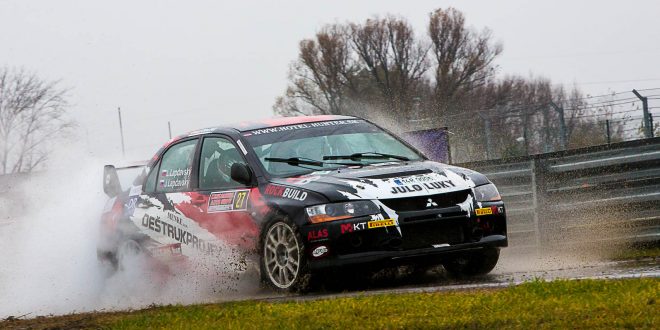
604 193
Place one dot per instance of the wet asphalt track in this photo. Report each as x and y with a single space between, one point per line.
505 275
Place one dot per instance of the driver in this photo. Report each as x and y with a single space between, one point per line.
218 173
223 165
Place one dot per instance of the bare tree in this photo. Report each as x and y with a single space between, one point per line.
464 58
32 113
394 59
378 64
322 75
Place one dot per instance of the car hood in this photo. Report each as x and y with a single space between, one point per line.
386 180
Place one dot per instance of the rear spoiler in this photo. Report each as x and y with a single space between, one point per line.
111 183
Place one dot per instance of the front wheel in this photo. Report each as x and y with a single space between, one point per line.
283 262
474 263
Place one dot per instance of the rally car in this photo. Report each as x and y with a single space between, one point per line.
308 194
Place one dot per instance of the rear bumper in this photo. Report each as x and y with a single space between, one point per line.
432 254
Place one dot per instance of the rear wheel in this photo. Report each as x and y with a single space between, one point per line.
474 263
128 251
283 262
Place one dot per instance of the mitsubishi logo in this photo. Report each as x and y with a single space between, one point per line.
431 203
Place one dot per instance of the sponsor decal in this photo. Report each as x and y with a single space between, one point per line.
300 126
315 235
320 251
176 218
483 211
274 190
346 228
240 145
296 194
380 223
358 226
135 190
403 188
284 192
181 235
167 250
351 227
129 206
234 200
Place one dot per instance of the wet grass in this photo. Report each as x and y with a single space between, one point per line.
559 304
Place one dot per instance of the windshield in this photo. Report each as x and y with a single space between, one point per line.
298 149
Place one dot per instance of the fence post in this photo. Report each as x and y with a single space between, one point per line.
489 142
651 124
562 125
538 197
648 128
607 131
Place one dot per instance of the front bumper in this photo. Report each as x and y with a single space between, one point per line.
419 236
408 256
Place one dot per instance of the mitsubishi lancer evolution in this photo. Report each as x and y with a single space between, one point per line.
307 194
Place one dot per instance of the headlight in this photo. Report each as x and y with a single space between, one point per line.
339 211
487 193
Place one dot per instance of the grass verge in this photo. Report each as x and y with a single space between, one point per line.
560 304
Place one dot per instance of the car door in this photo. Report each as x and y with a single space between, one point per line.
161 209
220 204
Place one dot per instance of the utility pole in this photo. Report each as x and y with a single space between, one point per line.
648 129
489 143
169 129
525 122
121 133
562 125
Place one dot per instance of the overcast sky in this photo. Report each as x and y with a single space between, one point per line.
205 63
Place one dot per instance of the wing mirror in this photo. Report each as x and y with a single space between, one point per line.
111 185
241 173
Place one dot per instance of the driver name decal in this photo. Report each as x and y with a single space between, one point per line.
175 178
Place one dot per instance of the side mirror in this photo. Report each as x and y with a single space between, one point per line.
111 185
241 173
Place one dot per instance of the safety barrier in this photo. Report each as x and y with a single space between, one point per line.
604 193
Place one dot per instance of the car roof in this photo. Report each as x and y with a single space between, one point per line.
280 121
257 124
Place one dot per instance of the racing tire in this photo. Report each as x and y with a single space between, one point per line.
474 263
283 264
108 260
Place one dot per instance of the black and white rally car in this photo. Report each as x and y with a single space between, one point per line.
308 194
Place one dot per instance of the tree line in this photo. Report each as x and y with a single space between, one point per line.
32 117
382 70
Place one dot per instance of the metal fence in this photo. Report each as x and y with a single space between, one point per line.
607 193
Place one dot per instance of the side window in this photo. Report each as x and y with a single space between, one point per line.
150 184
218 155
175 167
